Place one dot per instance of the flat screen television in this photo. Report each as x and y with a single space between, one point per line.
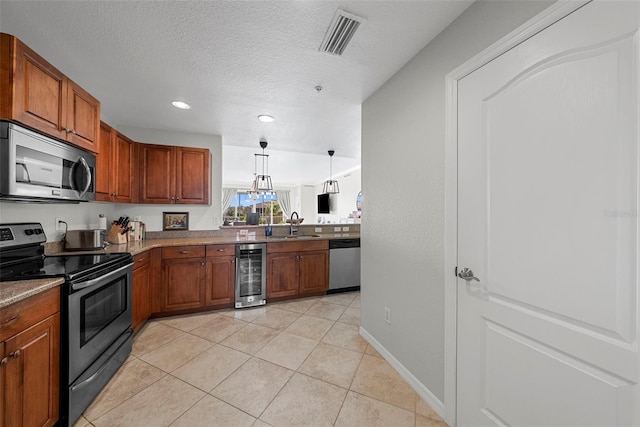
323 203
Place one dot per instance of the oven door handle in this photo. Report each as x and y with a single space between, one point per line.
81 284
101 369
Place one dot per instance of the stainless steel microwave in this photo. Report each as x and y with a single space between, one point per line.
37 168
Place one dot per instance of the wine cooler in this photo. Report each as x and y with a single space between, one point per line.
251 274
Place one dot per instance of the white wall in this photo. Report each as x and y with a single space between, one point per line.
403 146
200 217
343 203
78 216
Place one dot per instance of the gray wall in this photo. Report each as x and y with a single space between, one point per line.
403 172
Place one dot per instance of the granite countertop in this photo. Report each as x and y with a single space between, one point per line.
12 292
144 245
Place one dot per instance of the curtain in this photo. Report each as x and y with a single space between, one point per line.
285 202
227 197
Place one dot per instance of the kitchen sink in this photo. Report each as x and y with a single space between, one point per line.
301 236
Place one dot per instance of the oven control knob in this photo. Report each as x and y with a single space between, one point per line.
28 232
38 231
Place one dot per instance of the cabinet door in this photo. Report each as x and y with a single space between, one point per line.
39 91
104 168
313 270
32 375
157 184
183 283
141 295
192 175
83 118
3 401
282 275
123 164
220 282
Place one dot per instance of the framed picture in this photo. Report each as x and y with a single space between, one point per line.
175 221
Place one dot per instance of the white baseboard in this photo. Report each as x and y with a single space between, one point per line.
420 388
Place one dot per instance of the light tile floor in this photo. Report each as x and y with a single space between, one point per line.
298 363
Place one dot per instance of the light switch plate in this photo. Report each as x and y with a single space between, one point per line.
336 229
345 228
317 230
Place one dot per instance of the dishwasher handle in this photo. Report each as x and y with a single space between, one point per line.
344 243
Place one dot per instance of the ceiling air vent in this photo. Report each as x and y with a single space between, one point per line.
340 32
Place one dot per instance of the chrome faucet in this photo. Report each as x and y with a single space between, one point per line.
294 225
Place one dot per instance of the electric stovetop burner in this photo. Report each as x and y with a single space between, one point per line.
22 256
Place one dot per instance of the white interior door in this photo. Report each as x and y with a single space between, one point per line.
548 222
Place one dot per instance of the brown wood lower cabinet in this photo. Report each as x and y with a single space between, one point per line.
141 289
297 268
30 361
221 275
183 277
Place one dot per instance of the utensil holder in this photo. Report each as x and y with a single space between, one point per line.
115 235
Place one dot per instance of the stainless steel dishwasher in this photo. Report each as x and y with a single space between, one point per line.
344 265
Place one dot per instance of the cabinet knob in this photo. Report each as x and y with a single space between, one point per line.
177 198
4 362
173 198
184 252
73 131
67 130
16 354
220 250
202 264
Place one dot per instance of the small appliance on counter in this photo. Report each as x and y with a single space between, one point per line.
84 240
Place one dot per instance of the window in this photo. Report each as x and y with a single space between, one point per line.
267 207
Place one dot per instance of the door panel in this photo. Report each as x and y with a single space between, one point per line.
547 220
157 176
183 282
282 276
192 175
220 281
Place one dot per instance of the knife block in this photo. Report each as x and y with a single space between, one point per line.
115 235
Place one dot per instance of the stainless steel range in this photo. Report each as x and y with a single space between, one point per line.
96 310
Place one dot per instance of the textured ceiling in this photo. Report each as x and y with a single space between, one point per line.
232 60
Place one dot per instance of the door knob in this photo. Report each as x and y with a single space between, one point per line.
467 274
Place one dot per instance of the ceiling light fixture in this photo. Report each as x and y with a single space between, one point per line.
265 118
261 183
181 105
330 186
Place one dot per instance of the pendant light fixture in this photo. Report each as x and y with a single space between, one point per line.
331 186
261 183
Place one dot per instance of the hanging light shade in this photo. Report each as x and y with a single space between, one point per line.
261 182
331 186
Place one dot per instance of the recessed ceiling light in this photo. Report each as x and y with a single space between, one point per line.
181 105
265 118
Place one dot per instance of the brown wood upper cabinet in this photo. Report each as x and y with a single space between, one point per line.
116 167
30 361
172 174
37 95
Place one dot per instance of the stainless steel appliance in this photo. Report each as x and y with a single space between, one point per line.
96 310
34 167
82 240
251 274
344 265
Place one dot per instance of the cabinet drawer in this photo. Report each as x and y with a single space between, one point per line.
298 246
221 250
183 252
141 259
28 312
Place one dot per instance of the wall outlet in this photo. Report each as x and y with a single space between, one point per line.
58 225
387 315
317 230
344 229
336 229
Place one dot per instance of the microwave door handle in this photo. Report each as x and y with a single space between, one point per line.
26 171
87 171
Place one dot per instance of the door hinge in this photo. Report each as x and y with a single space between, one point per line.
455 273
